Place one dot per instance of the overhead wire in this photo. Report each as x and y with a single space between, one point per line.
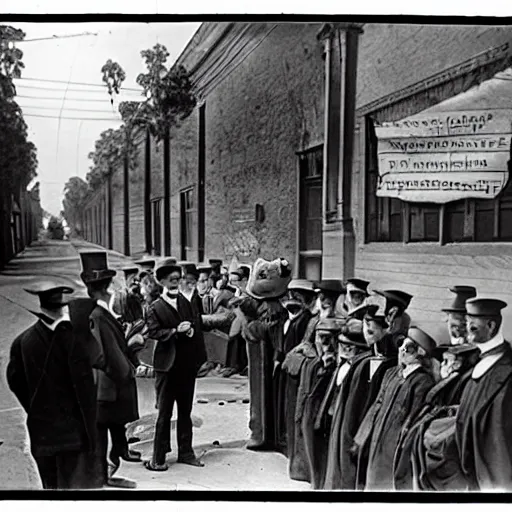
95 100
67 108
72 83
88 91
75 118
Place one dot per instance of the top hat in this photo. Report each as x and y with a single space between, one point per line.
462 294
95 267
484 307
328 324
357 285
167 266
215 264
301 285
421 338
190 269
395 298
146 264
50 293
353 338
331 286
130 272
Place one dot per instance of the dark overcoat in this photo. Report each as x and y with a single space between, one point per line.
117 387
50 374
484 427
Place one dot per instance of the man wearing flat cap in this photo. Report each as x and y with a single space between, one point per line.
174 320
484 418
116 384
401 397
50 374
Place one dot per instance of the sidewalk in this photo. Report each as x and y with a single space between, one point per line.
220 420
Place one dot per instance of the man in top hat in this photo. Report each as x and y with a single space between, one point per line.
146 267
360 388
484 418
50 374
117 388
130 275
215 274
401 397
397 318
356 294
175 322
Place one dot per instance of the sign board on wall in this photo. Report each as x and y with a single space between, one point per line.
445 156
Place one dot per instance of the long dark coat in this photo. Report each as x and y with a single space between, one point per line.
399 400
445 393
356 397
50 374
285 386
484 428
117 387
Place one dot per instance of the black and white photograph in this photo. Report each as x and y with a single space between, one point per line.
256 254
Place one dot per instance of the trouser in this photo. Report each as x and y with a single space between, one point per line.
119 446
174 386
68 470
236 355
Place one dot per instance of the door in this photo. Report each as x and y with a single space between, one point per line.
310 214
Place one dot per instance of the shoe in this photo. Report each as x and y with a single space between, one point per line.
152 466
228 372
259 447
132 456
192 461
123 483
245 372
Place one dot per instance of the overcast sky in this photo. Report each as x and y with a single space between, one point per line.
63 145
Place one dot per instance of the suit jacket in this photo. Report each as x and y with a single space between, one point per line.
50 374
484 428
174 349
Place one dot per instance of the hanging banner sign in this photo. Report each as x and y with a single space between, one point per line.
445 156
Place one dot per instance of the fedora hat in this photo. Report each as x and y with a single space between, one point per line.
484 307
357 285
352 338
130 273
332 286
395 298
165 267
95 267
301 285
462 294
50 293
421 338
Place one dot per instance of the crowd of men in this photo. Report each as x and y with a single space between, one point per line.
341 380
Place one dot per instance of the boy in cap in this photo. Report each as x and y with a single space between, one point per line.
50 374
116 384
175 322
484 418
401 396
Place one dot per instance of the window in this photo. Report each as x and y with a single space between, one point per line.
310 214
188 213
468 220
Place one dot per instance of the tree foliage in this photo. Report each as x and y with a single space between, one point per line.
55 229
75 196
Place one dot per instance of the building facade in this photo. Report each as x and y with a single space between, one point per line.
282 155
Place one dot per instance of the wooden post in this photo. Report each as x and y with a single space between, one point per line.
147 194
201 185
167 193
126 175
109 210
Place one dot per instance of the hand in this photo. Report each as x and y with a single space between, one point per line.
141 371
184 327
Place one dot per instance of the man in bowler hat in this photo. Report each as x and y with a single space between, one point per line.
116 385
175 322
50 374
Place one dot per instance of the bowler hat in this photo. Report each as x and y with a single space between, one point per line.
357 285
331 286
462 294
165 267
395 298
484 307
328 324
95 267
190 269
421 338
352 338
301 285
50 293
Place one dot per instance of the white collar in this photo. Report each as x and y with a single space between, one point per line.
53 326
171 301
108 307
410 369
187 295
342 373
492 343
